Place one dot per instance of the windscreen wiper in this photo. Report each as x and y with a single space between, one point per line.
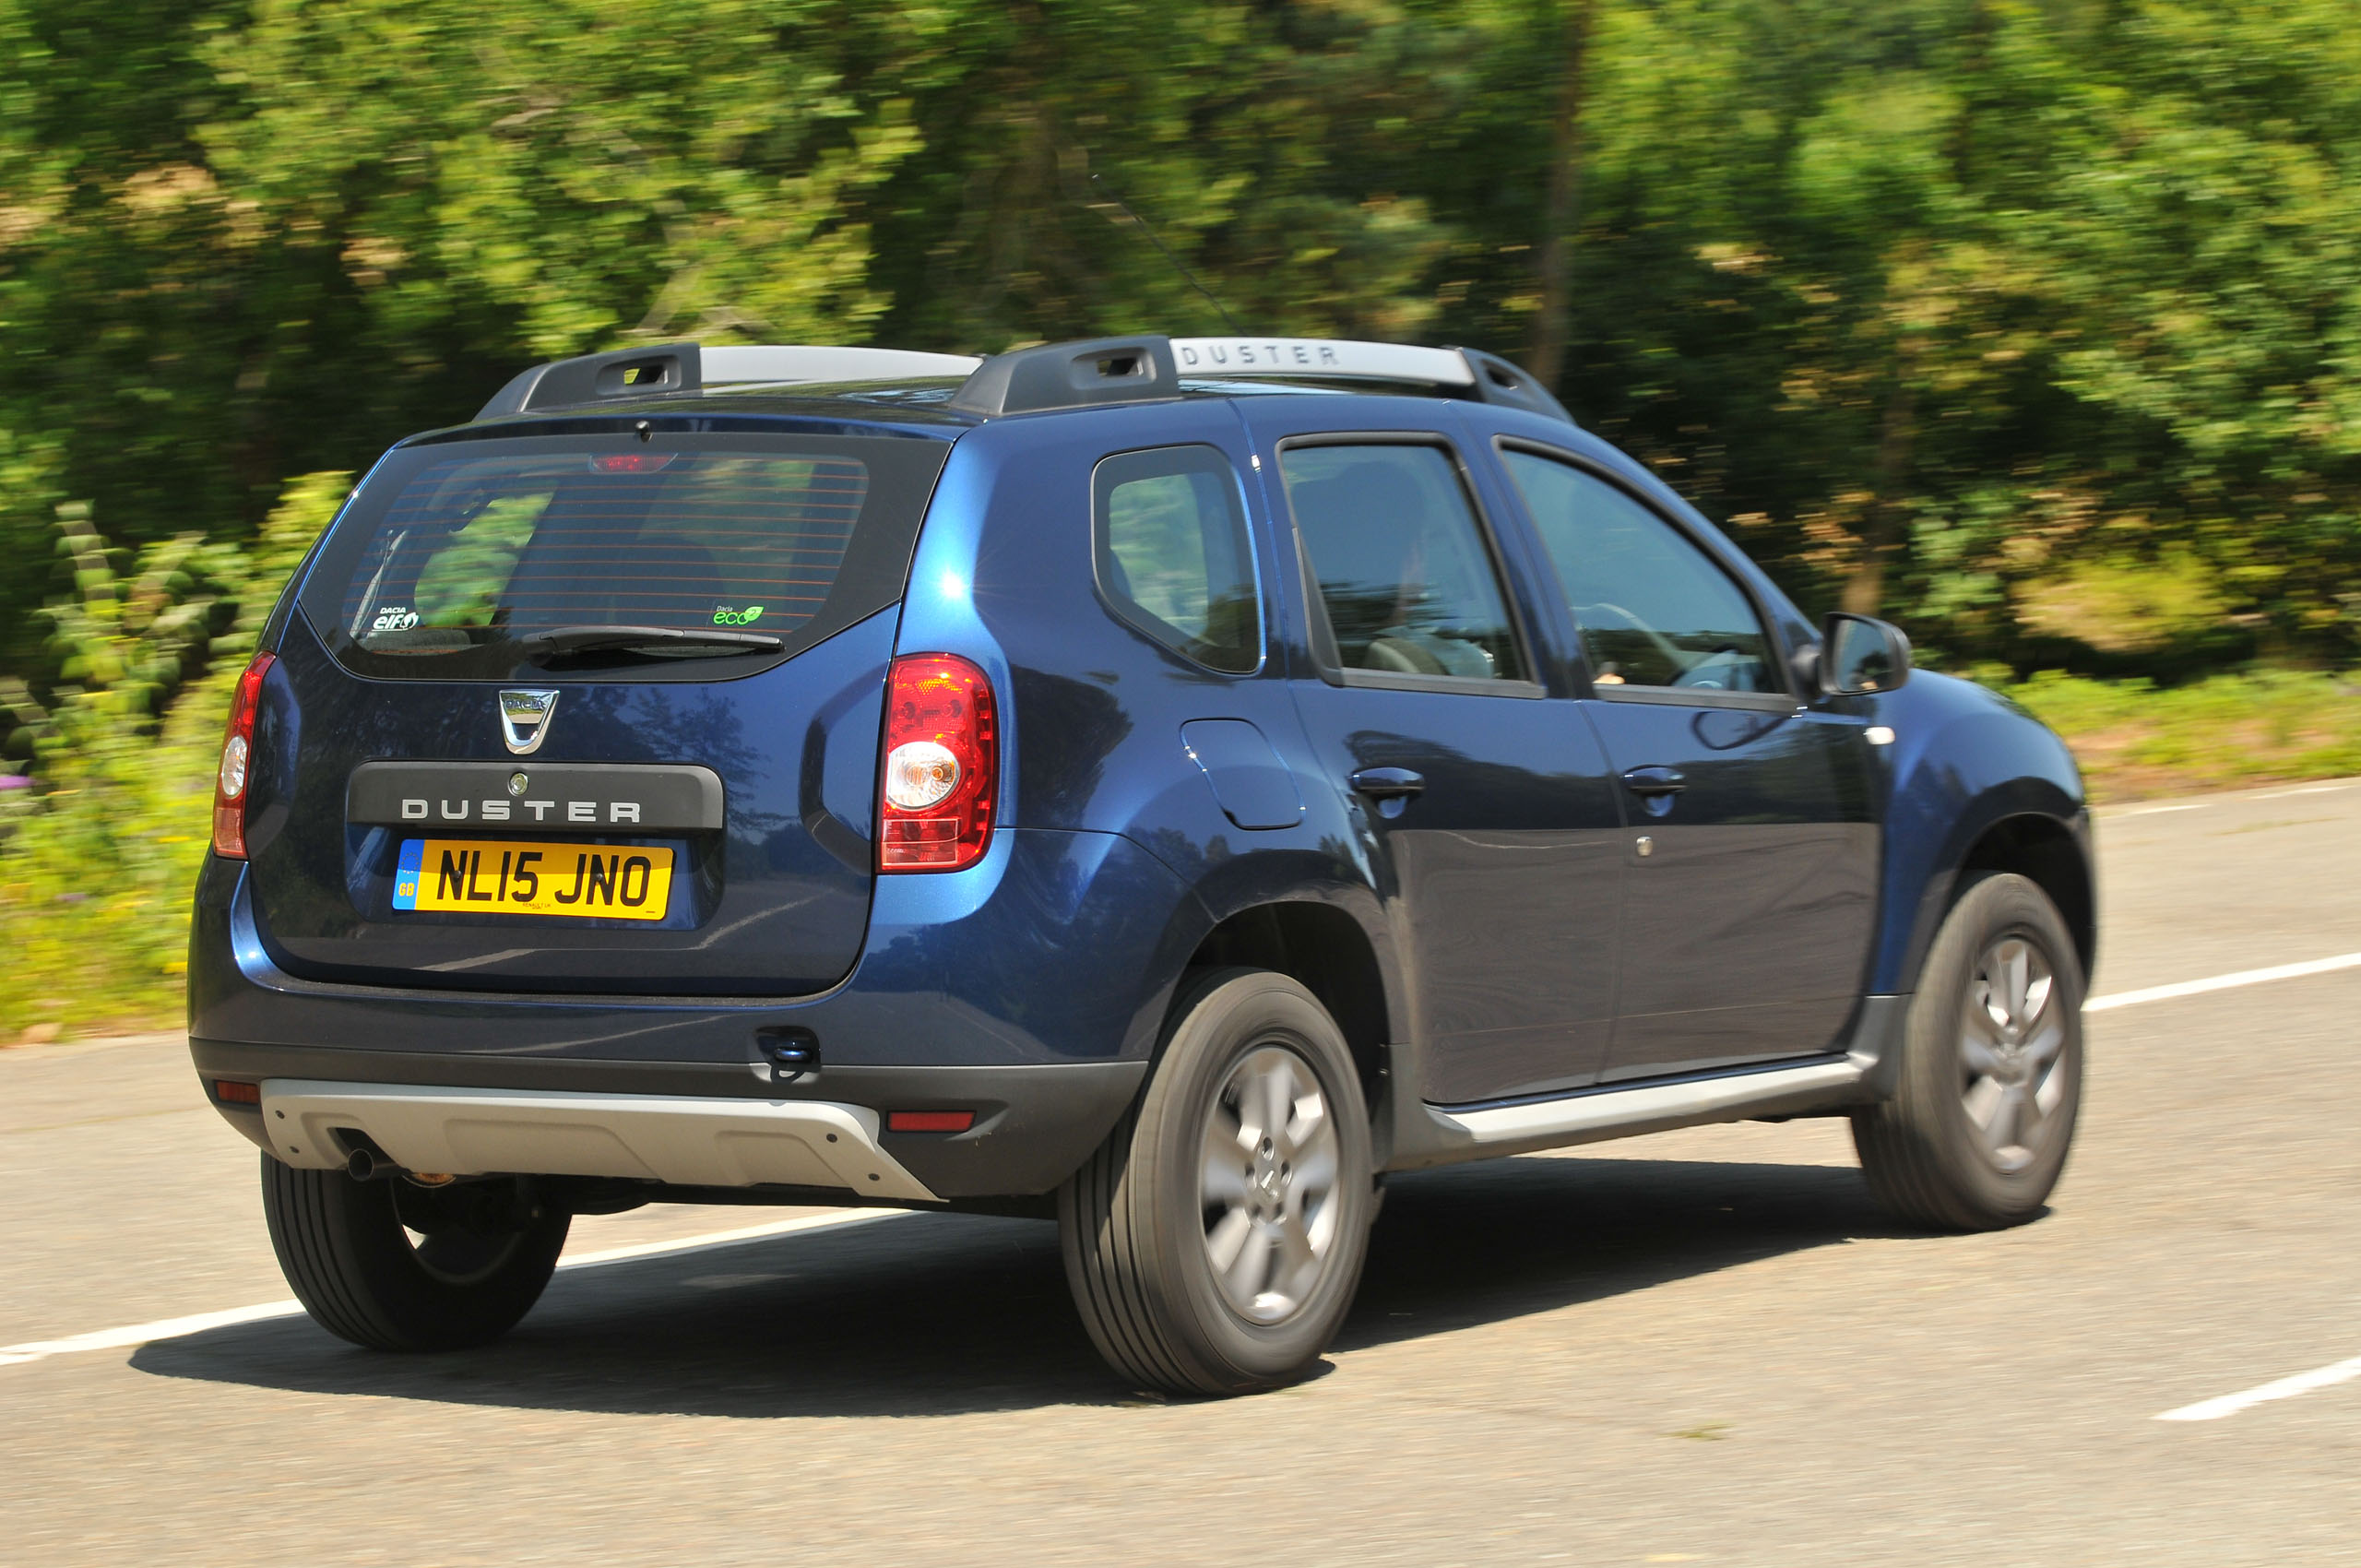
652 642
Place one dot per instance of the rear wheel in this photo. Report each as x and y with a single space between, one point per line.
1991 1081
1215 1241
396 1266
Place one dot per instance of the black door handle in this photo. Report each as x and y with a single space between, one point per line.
1655 782
1387 783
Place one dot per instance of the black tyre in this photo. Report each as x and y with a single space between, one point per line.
483 1254
1215 1241
1991 1080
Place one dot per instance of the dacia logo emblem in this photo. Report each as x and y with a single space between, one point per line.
525 719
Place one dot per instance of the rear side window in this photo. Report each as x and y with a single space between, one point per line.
1401 562
1172 553
456 554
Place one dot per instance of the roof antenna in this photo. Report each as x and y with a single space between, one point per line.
1100 181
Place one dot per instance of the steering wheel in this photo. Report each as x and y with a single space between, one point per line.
1673 657
1729 658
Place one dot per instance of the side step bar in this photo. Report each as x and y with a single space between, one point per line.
680 1139
1623 1111
1593 1115
1860 1072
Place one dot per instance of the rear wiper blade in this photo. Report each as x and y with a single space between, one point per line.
657 642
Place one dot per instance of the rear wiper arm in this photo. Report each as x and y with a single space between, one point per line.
657 642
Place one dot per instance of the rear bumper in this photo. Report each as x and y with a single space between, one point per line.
672 1139
682 1126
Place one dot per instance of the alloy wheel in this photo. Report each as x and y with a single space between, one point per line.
2012 1037
1267 1184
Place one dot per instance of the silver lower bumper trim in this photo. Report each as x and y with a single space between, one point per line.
675 1138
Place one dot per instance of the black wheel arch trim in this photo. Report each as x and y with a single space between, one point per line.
1228 890
2023 799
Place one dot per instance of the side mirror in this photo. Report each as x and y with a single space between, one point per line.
1860 655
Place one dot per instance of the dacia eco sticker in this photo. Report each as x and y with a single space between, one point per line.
394 618
725 616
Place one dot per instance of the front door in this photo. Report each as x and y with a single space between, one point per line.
1485 803
1753 844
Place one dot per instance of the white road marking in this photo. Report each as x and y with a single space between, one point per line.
2159 811
2318 1377
2307 789
2223 982
177 1327
2286 1388
709 1239
141 1333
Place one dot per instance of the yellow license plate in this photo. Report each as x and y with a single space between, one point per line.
611 881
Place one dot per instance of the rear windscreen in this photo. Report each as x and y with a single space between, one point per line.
463 559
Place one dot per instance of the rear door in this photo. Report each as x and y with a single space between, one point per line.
1487 804
591 712
1754 842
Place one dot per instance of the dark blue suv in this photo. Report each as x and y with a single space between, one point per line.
1163 783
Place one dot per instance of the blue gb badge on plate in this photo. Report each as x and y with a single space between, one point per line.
406 874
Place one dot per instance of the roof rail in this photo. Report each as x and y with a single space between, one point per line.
1057 375
1133 370
679 367
792 363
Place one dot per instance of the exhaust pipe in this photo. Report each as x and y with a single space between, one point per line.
368 1165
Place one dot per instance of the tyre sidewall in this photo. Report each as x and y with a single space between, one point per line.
1232 1013
1992 910
342 1246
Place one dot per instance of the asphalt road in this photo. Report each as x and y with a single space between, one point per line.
1703 1347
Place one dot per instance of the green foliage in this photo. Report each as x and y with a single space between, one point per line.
97 858
2124 606
1936 302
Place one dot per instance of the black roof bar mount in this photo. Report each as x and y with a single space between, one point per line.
666 367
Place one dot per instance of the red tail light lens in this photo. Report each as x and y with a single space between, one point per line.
237 762
942 770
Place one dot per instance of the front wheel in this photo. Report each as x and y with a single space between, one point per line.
396 1266
1215 1241
1991 1080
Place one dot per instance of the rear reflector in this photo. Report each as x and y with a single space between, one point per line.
929 1120
231 1092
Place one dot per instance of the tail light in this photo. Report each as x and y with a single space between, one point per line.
237 762
942 765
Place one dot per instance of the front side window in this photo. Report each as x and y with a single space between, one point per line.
1654 610
1172 553
1400 560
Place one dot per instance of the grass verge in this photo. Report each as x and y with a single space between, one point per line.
2135 742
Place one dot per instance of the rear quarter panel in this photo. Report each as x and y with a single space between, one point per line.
1092 709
